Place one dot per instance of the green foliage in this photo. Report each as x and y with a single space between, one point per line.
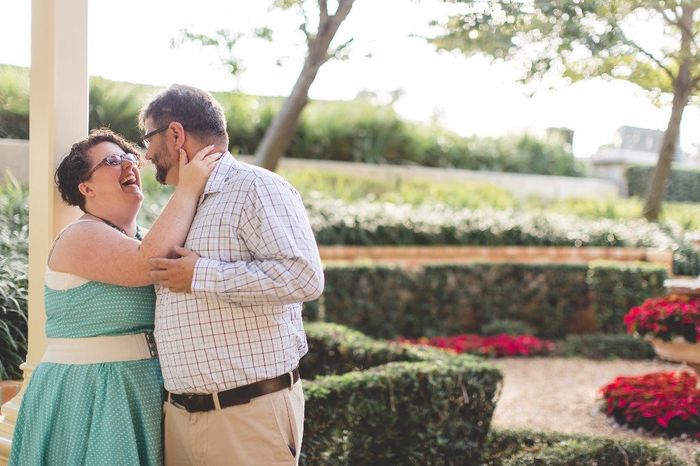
618 287
357 131
583 39
14 244
607 346
14 102
434 406
367 223
507 326
682 186
444 300
116 106
524 447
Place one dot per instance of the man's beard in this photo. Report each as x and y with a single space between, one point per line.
162 168
161 174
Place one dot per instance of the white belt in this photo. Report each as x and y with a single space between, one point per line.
95 350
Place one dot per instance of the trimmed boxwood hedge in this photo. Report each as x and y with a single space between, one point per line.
682 185
432 408
606 346
553 299
376 223
530 448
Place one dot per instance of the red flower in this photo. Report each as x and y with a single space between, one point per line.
664 402
666 317
495 346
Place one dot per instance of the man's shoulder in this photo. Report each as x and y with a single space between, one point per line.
252 178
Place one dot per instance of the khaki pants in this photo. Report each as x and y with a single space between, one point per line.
262 432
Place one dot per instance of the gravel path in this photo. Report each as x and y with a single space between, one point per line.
559 394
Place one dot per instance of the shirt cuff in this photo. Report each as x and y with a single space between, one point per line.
206 275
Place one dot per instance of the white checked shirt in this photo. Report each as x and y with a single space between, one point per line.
258 263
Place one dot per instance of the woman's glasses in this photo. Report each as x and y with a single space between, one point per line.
112 160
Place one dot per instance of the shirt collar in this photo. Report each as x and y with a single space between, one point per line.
220 175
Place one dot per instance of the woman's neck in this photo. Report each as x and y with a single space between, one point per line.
125 222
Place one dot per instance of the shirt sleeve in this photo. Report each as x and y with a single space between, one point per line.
286 267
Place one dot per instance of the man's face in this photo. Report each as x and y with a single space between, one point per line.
158 153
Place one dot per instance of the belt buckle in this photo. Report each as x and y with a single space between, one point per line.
195 403
151 342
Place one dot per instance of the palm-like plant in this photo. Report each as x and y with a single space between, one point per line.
13 278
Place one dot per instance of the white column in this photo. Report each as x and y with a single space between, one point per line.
58 117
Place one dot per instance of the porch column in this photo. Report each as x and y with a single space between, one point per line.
58 117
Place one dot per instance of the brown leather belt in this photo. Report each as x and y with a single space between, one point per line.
195 403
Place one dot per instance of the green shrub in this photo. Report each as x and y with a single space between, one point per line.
369 223
682 185
507 326
436 408
14 102
618 287
357 131
14 245
443 300
521 448
607 346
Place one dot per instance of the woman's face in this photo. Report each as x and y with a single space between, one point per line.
120 183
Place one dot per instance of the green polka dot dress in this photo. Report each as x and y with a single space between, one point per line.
93 414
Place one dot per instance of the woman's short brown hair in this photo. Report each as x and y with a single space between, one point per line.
75 166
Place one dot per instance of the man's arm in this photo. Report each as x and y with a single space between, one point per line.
286 267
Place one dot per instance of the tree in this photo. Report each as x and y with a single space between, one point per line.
592 38
318 44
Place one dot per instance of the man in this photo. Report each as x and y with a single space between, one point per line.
228 315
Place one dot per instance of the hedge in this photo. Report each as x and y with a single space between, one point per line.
432 408
441 300
374 224
530 448
358 131
682 185
606 346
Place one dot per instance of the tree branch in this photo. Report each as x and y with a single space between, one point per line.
662 11
634 45
323 14
338 50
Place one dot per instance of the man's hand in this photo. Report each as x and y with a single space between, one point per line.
175 274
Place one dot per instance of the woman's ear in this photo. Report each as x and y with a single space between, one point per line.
86 190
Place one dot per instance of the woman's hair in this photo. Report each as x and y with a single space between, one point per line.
75 166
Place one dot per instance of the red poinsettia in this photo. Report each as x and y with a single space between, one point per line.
665 318
662 402
495 346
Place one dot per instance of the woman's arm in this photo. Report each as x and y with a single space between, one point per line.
96 251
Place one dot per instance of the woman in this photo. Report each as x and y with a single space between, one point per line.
96 396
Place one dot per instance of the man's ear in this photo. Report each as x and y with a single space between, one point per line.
178 134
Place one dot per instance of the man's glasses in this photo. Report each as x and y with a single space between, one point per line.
112 160
146 139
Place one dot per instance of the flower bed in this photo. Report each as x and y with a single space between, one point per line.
499 346
663 402
665 318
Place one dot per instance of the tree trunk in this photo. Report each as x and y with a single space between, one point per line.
657 186
683 85
281 131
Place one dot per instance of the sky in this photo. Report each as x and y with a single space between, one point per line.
130 41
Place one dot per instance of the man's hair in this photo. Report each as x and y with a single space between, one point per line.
196 110
75 166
